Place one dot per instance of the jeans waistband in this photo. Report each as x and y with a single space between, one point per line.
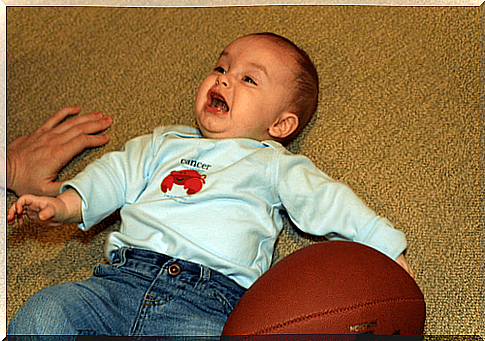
152 262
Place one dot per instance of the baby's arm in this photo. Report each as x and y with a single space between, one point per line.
64 209
340 214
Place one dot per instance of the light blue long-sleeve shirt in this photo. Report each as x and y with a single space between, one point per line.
218 202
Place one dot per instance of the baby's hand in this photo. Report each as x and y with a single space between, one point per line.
401 260
50 211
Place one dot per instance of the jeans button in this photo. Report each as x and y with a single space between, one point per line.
174 269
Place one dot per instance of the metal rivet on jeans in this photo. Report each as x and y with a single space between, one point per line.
174 269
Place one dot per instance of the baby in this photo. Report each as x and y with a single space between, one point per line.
200 208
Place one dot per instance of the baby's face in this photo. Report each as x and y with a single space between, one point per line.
248 90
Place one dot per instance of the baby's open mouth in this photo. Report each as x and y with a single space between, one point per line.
218 102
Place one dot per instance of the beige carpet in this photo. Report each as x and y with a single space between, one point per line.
398 120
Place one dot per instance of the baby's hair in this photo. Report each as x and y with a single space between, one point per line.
305 97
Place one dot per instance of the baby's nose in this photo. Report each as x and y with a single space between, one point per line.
223 80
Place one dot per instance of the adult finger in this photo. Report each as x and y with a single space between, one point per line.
89 127
64 150
59 116
90 123
77 144
66 145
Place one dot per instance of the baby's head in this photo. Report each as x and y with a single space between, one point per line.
263 87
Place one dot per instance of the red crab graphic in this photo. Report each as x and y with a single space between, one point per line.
190 179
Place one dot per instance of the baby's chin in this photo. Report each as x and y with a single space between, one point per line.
229 135
221 133
213 133
208 134
216 135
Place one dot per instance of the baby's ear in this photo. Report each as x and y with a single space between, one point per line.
284 126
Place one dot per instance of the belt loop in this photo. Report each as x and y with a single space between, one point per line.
205 275
119 257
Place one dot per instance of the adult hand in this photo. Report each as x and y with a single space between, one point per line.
35 160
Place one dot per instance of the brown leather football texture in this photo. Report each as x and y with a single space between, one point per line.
333 287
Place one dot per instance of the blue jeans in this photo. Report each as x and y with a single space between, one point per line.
142 293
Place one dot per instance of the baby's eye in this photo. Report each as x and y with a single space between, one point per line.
220 69
249 80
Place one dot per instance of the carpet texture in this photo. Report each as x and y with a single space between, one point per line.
397 121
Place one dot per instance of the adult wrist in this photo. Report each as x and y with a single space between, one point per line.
14 168
9 175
